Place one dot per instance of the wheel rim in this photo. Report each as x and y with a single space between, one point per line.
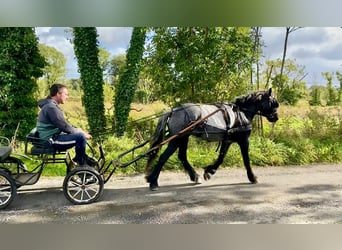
6 191
83 187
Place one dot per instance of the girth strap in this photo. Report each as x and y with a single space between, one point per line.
239 129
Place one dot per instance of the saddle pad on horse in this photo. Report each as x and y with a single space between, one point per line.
216 126
223 119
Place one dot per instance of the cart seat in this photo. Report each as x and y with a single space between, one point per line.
39 146
5 152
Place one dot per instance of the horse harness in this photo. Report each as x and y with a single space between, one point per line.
244 124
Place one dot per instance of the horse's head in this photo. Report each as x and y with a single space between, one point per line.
262 103
268 105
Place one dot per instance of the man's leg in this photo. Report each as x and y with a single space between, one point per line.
67 141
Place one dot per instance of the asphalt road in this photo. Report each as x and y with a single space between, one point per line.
284 195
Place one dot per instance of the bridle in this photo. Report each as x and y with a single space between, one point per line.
270 116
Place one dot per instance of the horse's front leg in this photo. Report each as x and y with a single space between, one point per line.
211 169
244 147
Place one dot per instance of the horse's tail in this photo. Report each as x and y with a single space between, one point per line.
157 139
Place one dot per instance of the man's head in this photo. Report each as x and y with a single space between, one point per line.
59 92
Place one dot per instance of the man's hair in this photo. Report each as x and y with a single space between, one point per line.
55 88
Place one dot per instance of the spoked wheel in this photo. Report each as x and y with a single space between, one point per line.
83 185
8 189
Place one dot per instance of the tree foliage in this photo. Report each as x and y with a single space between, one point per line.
86 51
55 70
126 87
199 64
315 95
332 94
20 66
339 78
104 62
116 67
287 79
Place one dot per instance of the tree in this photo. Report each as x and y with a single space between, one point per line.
288 84
125 90
199 64
55 70
332 92
256 34
288 31
104 62
86 51
117 65
315 96
20 66
339 78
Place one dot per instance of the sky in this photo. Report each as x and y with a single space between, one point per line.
318 49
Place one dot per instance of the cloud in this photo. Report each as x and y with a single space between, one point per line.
57 37
114 39
318 49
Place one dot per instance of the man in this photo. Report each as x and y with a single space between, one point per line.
52 125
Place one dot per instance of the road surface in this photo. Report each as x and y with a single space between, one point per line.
284 195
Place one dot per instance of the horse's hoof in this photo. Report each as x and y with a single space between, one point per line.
206 176
153 186
198 180
147 179
254 180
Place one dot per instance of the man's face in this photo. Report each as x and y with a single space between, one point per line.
62 96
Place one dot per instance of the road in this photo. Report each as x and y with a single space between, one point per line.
284 195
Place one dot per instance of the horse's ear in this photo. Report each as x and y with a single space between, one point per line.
270 92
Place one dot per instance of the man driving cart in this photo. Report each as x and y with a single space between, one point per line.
51 125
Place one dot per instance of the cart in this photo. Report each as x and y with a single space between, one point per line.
81 185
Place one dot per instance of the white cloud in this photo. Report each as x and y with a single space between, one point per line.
114 39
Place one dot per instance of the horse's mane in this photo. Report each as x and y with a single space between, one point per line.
249 98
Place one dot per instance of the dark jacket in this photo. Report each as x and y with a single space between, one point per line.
51 120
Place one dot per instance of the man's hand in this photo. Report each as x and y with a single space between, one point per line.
86 134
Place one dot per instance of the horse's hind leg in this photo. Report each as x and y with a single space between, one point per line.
211 169
152 178
183 145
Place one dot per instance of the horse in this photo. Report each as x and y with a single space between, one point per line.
226 123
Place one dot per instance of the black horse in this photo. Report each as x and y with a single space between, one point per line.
222 122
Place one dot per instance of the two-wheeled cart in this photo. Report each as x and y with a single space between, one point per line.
81 185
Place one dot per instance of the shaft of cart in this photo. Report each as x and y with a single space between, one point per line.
117 162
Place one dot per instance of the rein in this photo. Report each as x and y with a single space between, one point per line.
258 112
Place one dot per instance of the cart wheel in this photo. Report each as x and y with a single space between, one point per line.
8 189
83 185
